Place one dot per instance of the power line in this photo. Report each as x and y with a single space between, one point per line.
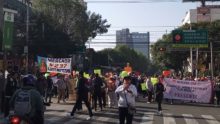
131 1
144 26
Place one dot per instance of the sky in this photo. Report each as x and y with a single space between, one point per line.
158 17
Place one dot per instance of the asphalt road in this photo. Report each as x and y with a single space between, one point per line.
177 113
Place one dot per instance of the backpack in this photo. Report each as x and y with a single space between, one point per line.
22 105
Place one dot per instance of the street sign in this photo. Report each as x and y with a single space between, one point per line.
190 38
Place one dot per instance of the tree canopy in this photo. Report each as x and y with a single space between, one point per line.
176 59
119 57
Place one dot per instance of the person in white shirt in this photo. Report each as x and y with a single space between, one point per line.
127 93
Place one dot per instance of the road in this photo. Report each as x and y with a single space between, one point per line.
146 114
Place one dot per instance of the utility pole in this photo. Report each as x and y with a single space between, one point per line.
27 35
1 42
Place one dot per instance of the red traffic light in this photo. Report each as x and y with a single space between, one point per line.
177 38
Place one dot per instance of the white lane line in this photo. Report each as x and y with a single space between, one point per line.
210 119
147 118
168 119
189 119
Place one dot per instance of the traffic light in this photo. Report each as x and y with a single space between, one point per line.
162 49
177 36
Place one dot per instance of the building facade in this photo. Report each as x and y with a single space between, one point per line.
209 13
139 42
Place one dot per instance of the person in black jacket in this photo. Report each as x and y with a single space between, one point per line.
97 84
82 95
11 87
159 89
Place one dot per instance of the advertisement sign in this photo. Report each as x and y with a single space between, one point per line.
197 91
8 28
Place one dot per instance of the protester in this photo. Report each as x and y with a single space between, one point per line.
217 91
159 89
111 87
49 89
61 87
97 84
150 89
82 95
127 93
11 87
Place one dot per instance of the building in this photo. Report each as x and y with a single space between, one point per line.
135 40
123 37
202 14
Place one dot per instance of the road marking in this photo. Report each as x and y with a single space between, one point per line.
168 119
147 118
210 119
189 119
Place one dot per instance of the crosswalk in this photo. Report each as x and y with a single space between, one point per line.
110 116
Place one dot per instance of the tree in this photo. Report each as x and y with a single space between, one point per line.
172 58
119 56
72 18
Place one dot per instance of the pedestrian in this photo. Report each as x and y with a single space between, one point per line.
11 87
217 91
61 87
111 87
49 89
82 95
127 93
97 95
159 89
150 89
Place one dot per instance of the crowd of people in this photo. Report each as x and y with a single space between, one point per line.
97 91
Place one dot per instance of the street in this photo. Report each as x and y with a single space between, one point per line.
146 114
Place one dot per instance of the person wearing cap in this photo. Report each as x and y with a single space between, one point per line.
127 93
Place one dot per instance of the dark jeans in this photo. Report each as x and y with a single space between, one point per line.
150 96
124 115
79 102
97 96
6 107
38 119
103 96
217 97
159 105
49 95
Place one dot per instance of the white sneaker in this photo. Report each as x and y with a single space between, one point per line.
69 115
90 118
148 102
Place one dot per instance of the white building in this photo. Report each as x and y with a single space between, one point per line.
207 14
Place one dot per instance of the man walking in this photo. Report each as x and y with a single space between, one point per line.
82 95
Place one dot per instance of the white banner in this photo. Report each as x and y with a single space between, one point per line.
59 65
197 91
